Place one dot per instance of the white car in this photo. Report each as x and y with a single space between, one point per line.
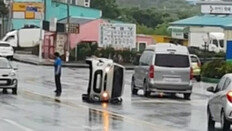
8 78
6 50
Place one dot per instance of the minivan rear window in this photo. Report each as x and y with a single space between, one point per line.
172 60
4 45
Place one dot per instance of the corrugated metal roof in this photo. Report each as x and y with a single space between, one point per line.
224 21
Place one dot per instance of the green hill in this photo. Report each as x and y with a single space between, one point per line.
152 3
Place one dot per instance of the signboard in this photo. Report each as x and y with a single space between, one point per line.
61 39
118 36
178 35
73 28
216 9
52 26
27 10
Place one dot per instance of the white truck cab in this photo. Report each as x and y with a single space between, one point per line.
216 42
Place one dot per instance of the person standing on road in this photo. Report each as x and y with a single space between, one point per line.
57 66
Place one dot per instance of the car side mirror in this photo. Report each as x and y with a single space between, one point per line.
211 89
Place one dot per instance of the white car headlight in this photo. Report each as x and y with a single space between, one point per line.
107 69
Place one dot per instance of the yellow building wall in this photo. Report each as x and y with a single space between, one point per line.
166 39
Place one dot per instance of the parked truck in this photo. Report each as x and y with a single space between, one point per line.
24 38
215 41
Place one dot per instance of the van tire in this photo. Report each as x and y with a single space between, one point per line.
187 96
145 90
224 122
211 122
198 78
134 91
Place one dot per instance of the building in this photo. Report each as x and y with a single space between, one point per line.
142 41
214 17
31 12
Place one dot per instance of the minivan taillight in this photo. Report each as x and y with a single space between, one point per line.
229 96
151 71
191 73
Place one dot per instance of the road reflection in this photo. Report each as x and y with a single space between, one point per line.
104 119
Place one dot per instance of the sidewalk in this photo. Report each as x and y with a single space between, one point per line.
33 59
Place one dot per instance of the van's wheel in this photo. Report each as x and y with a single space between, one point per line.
211 122
147 93
198 78
224 122
134 91
14 91
4 91
187 96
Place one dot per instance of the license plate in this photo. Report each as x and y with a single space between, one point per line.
3 82
172 79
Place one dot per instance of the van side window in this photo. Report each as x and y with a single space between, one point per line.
10 38
150 58
146 58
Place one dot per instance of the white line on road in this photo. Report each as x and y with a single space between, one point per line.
17 124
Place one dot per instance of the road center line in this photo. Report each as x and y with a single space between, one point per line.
17 124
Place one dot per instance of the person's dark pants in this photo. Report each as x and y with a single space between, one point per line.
58 84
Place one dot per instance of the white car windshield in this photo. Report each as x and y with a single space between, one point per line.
4 64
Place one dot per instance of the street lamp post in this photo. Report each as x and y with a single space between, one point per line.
206 41
68 24
41 33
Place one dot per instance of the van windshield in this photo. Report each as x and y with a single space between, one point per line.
172 60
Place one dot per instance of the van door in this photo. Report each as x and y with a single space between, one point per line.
172 69
141 71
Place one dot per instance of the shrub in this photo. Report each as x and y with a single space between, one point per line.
216 69
85 50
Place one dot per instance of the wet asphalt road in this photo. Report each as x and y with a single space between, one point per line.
36 109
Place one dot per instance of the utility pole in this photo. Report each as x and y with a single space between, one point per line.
68 26
41 32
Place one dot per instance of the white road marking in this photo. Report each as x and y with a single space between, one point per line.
17 124
67 83
93 128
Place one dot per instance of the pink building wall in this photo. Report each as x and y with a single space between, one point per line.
144 39
88 32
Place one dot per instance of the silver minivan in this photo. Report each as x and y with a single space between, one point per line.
164 68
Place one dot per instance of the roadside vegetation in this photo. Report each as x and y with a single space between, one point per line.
151 16
85 50
216 69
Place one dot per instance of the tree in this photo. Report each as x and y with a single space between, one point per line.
109 8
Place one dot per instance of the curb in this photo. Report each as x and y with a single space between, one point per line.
210 80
